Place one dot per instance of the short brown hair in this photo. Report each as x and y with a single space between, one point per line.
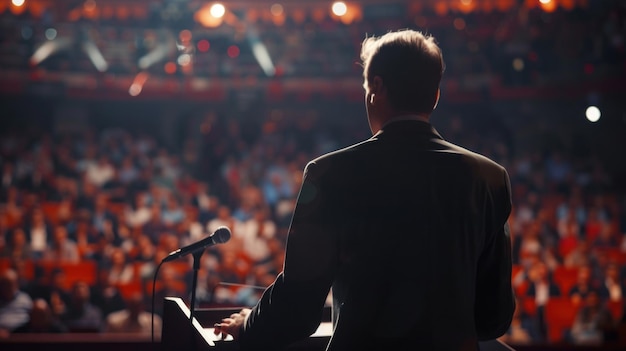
410 65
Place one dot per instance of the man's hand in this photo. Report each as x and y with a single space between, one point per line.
232 326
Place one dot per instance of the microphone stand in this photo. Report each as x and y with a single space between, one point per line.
192 304
194 283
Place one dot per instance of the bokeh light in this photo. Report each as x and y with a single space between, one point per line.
170 68
50 33
203 45
277 9
218 10
593 114
233 51
339 8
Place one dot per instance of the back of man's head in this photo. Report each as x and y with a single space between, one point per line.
410 66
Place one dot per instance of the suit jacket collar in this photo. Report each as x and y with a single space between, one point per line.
408 127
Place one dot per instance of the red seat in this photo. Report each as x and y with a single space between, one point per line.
82 271
51 212
616 308
565 278
528 305
560 314
616 255
127 290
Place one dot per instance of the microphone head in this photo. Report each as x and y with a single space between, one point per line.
221 235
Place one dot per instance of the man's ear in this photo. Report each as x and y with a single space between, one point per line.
437 99
376 89
376 86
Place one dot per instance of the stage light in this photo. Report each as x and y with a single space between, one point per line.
466 2
233 51
89 5
218 10
339 8
205 17
184 59
184 35
50 33
262 56
518 64
165 46
593 114
459 23
277 9
48 48
170 68
95 56
137 86
203 45
260 52
548 5
18 3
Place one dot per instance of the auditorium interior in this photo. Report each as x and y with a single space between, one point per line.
131 128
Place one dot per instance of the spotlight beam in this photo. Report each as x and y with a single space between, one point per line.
259 51
48 48
165 46
95 56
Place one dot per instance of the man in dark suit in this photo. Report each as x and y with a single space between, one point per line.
409 230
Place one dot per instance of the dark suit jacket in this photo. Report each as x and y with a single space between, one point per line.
410 231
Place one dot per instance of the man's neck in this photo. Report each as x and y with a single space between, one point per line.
407 117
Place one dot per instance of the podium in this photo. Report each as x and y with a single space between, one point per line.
179 334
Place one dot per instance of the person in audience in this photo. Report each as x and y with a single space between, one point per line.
614 288
579 256
224 218
41 320
84 237
120 270
62 248
169 284
542 288
101 172
593 323
133 319
143 250
524 329
81 315
17 246
139 214
103 220
606 238
104 295
39 233
155 226
15 305
255 233
584 286
172 214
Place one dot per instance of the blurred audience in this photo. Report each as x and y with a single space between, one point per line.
593 323
41 320
81 315
133 319
15 305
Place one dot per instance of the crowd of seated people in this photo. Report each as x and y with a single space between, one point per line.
86 219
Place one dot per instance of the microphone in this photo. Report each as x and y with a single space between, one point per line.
221 235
